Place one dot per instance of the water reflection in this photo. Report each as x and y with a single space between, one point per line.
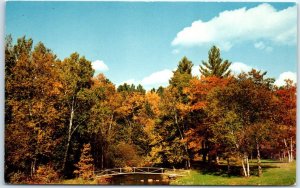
140 179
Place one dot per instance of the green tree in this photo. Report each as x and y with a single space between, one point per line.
182 74
215 65
140 89
75 74
170 147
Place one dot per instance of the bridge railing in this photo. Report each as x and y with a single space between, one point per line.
139 170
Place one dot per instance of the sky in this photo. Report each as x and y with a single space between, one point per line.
142 42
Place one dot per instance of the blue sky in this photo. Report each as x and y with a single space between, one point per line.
142 42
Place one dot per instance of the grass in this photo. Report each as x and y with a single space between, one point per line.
274 173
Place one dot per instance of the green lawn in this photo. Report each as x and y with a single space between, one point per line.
273 174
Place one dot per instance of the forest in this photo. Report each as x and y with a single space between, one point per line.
63 122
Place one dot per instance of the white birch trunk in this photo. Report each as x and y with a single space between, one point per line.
288 150
292 158
258 160
248 169
69 135
244 169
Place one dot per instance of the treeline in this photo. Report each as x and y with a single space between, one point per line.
60 120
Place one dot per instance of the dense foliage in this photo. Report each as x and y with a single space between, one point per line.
61 121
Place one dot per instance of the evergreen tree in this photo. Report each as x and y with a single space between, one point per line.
160 90
182 74
85 165
140 89
215 65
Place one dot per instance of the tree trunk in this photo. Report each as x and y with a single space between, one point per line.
188 162
32 167
258 160
204 156
244 169
248 169
288 150
280 158
102 157
228 166
217 160
209 158
69 135
291 155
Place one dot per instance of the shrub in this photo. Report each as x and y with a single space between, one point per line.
18 178
45 174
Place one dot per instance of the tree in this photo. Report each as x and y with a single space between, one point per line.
171 147
199 134
32 89
182 74
242 115
75 75
101 126
85 165
286 117
215 65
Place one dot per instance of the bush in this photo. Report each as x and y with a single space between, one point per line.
18 178
45 174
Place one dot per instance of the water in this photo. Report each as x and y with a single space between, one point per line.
140 179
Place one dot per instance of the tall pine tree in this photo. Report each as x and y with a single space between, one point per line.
215 65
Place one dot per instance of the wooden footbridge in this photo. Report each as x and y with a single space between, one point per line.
140 170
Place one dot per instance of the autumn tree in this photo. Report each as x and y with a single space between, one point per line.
286 117
215 66
85 166
242 115
199 133
32 89
54 107
129 117
101 126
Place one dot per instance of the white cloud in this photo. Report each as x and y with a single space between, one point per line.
284 76
99 65
154 80
196 71
263 22
175 51
160 77
259 45
239 67
262 46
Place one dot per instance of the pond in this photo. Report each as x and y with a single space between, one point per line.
140 179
